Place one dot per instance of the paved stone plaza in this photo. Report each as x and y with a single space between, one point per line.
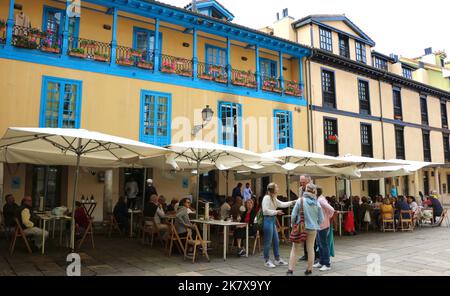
426 251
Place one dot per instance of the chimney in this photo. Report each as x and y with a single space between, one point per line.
285 12
421 65
194 5
428 50
395 57
278 16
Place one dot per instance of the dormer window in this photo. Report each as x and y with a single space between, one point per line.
407 73
213 9
326 42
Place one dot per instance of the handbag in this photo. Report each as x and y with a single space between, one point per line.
367 218
298 233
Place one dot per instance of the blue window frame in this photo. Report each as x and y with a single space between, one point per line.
407 72
282 129
155 119
144 40
230 124
268 67
53 23
216 55
60 103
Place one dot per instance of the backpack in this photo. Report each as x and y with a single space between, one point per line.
259 219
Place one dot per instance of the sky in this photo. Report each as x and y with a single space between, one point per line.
403 27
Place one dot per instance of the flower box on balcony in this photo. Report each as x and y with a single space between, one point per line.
398 117
238 82
267 88
101 57
168 70
221 79
186 73
277 90
78 53
214 68
332 139
145 65
50 49
289 92
136 53
250 84
205 76
125 62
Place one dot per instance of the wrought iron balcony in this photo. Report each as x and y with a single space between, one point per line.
2 32
89 49
127 56
176 65
271 84
243 78
293 88
212 72
32 38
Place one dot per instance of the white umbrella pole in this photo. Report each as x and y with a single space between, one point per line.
288 190
144 189
75 188
198 189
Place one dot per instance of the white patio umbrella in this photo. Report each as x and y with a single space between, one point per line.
199 155
76 147
404 168
298 161
364 162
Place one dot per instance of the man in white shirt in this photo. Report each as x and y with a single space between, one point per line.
225 209
131 190
247 192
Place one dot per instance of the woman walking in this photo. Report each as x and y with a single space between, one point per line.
308 209
270 204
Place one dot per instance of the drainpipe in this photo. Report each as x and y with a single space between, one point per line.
381 116
309 104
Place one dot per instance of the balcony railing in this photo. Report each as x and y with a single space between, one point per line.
243 78
2 32
271 84
31 38
89 49
127 56
176 65
212 72
293 88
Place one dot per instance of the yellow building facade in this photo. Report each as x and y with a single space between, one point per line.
365 103
144 71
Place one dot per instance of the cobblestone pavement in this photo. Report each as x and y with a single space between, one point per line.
425 251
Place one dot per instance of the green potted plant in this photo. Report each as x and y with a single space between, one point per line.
25 42
2 25
205 76
125 61
221 78
145 65
332 139
78 53
101 57
277 89
185 72
168 67
136 53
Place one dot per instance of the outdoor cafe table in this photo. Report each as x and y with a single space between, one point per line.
132 213
47 217
225 225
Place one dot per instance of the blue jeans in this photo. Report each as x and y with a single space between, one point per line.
324 248
271 237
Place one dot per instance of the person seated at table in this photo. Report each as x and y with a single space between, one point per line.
386 209
171 207
121 214
225 209
162 202
81 219
401 205
10 210
436 205
414 207
182 220
28 221
154 210
248 217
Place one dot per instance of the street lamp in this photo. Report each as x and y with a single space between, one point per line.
207 114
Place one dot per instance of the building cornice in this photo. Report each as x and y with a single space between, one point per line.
345 64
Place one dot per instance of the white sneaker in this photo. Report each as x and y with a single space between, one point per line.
325 268
280 262
317 265
269 264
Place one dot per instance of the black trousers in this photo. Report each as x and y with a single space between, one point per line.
132 203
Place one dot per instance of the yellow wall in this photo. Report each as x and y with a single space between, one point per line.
304 35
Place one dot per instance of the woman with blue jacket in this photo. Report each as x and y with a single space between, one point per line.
313 217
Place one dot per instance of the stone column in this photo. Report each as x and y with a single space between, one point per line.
108 193
416 184
437 185
1 185
382 187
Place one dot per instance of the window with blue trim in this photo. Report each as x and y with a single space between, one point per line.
144 40
326 42
407 72
361 52
282 129
60 103
53 24
230 124
216 55
155 118
268 68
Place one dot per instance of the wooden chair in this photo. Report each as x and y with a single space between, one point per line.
174 237
282 230
444 216
408 221
88 231
388 222
19 233
196 243
257 242
151 229
112 224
